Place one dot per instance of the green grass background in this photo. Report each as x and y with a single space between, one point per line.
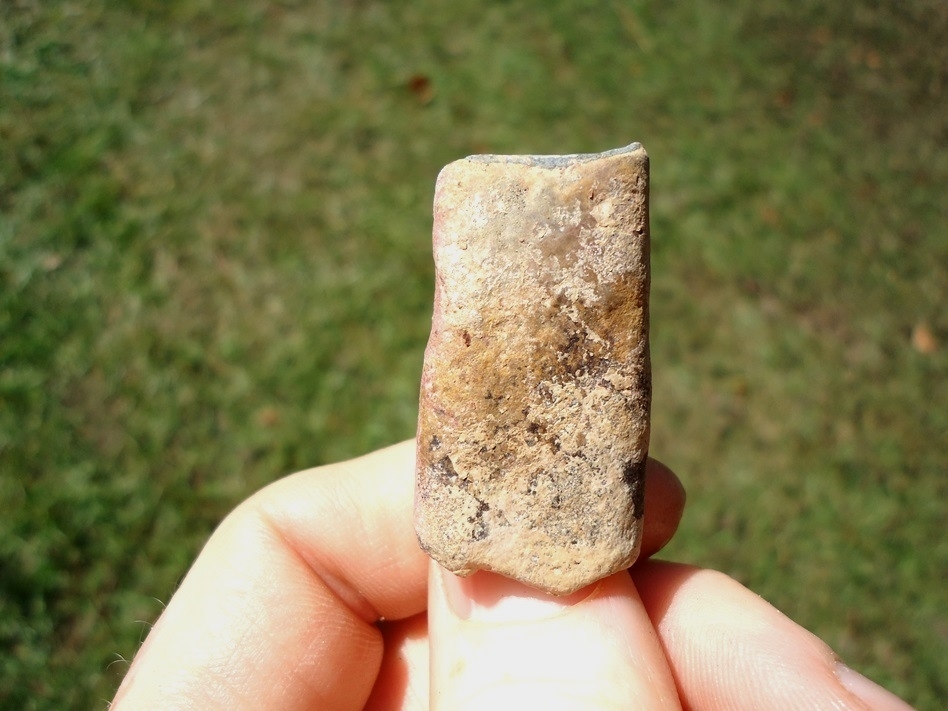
215 269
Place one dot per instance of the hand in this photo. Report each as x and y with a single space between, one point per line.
313 595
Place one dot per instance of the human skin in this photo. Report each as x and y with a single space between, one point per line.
313 594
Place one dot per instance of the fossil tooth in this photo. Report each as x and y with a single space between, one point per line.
534 412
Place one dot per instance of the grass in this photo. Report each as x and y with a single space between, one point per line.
215 269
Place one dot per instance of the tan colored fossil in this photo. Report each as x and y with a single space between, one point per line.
534 415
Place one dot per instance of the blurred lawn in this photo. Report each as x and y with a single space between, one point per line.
215 269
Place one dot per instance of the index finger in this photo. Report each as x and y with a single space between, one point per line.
279 609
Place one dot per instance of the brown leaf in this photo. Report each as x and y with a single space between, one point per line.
421 87
923 340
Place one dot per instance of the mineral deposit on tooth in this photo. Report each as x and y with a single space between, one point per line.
534 415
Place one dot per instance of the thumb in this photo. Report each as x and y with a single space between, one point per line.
497 644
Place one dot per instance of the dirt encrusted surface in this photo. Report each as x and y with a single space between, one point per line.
534 418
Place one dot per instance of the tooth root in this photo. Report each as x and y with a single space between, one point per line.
534 412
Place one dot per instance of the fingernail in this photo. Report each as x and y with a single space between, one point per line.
869 692
489 597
